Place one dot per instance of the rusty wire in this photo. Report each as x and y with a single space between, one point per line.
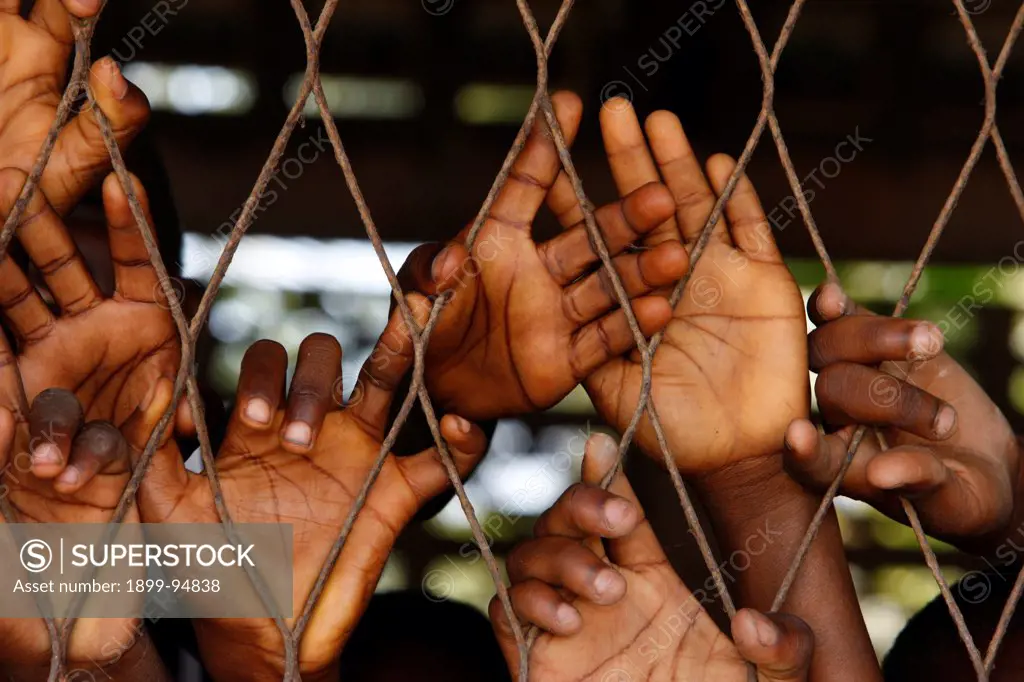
185 381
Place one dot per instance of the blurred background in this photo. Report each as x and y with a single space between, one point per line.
428 97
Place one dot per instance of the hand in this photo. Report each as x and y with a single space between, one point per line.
34 56
109 351
597 581
952 451
103 456
529 321
268 477
731 372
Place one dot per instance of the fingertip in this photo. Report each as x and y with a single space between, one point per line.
801 439
108 75
609 587
926 341
673 259
620 516
568 620
599 455
662 123
70 480
753 631
829 301
568 102
945 422
258 413
649 206
720 167
902 470
83 8
652 313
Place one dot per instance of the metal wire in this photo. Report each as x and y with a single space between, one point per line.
186 385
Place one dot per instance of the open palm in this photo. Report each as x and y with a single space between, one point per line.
267 480
731 372
528 321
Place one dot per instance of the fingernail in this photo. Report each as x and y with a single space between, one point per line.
605 581
47 453
926 340
115 80
463 425
69 477
616 512
945 421
257 411
89 6
299 433
767 633
440 265
567 616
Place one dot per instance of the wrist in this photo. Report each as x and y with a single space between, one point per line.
749 489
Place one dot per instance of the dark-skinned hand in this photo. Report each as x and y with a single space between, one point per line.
268 478
611 608
530 320
34 54
731 372
104 459
952 450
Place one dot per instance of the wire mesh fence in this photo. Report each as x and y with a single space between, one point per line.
185 384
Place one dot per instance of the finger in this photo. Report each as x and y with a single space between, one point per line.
855 394
779 645
564 562
52 17
425 472
6 440
641 274
54 419
629 159
640 545
166 480
749 228
588 511
80 158
504 634
135 277
682 174
570 254
384 370
98 448
83 8
56 256
610 336
868 340
311 395
29 318
539 604
418 271
828 302
814 459
537 166
10 6
11 390
980 493
261 384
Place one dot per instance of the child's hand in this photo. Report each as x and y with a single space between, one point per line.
530 320
301 460
952 451
596 581
731 372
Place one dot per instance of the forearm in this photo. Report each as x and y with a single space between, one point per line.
760 513
140 662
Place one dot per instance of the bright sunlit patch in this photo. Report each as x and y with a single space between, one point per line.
491 104
295 263
194 90
358 97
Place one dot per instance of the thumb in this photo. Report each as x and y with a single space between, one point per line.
426 473
778 644
166 479
81 154
6 439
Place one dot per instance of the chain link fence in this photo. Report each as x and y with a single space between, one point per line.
188 329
